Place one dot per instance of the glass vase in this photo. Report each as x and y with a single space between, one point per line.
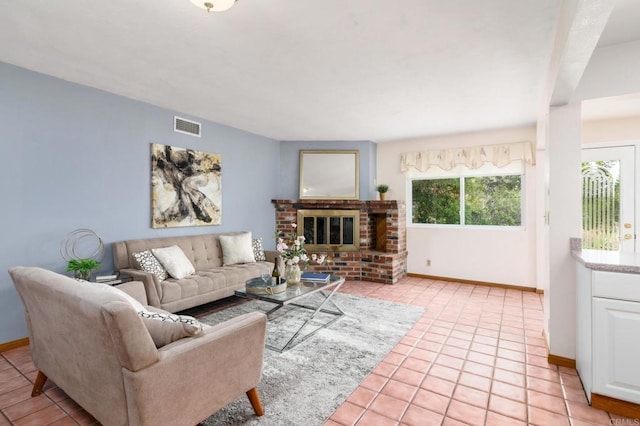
83 275
292 274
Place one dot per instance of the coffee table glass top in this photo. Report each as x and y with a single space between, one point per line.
293 291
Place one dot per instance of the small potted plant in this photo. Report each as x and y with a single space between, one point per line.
382 189
82 268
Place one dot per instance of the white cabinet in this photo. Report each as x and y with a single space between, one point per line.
608 333
616 349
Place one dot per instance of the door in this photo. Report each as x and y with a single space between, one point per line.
608 201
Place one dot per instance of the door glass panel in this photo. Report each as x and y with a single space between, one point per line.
601 205
347 230
309 227
321 230
334 230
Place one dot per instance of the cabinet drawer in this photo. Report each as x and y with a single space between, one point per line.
616 285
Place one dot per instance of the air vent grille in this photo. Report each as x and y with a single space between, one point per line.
186 126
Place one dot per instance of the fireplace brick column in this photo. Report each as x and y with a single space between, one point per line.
382 256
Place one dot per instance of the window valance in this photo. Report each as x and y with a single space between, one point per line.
473 157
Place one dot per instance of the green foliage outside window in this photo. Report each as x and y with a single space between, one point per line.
488 200
493 200
436 201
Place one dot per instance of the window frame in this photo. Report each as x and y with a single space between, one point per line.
462 225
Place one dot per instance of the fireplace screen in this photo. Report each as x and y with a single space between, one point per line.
337 230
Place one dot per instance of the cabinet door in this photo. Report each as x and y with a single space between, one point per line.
616 349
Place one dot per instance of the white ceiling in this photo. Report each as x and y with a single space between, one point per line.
307 70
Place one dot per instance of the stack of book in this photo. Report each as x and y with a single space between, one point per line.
113 279
318 277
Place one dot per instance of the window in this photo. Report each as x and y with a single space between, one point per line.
467 200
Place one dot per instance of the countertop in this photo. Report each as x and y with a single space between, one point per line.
612 261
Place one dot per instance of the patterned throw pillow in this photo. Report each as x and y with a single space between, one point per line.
258 251
165 328
149 263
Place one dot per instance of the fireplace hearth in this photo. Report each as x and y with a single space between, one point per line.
366 240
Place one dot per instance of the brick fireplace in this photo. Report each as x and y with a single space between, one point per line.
380 254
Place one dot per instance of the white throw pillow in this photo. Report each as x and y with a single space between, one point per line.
237 249
174 261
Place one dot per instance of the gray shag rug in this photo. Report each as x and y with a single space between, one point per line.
305 384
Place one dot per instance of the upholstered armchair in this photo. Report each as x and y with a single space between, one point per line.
93 343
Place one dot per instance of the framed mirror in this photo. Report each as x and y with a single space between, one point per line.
328 174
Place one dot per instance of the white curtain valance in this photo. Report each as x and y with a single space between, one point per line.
473 157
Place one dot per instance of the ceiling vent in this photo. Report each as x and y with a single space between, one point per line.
186 126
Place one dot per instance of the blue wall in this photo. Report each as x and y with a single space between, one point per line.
289 188
76 157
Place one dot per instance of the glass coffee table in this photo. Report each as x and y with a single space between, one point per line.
294 295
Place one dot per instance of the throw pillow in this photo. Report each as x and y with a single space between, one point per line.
258 251
149 263
237 249
165 328
174 261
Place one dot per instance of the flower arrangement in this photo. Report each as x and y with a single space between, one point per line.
291 247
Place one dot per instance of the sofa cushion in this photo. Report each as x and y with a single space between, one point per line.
258 250
237 249
174 261
149 263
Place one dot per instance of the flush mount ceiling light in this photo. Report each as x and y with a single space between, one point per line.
214 5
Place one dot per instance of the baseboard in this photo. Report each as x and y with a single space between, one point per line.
14 344
557 359
616 406
480 283
539 290
561 361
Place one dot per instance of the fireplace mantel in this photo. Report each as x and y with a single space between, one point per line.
382 253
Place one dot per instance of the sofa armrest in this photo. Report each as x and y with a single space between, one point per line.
271 255
151 285
222 362
134 289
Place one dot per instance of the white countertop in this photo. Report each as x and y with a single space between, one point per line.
612 261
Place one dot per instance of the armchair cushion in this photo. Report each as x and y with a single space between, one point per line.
174 261
237 249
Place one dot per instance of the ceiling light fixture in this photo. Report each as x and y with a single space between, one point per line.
214 5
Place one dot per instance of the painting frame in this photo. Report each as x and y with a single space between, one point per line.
186 187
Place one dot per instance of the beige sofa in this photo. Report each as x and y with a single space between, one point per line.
89 339
212 280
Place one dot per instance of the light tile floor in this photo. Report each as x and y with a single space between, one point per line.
476 357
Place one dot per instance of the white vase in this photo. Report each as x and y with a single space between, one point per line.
292 274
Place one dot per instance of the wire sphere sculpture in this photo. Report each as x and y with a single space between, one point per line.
82 244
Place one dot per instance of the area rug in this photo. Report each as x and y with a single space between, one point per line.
305 384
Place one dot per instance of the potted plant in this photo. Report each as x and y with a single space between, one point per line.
382 189
82 267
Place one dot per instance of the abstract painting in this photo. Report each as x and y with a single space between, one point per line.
186 187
